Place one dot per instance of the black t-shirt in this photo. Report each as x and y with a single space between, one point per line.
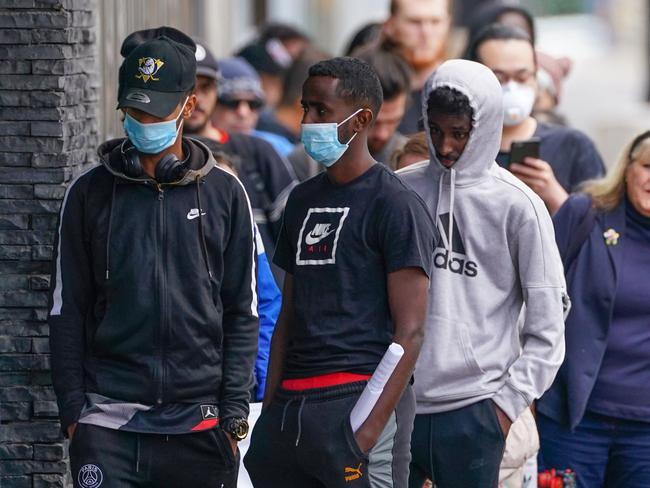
570 153
339 242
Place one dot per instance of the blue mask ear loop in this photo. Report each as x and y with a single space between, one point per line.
178 129
344 121
180 116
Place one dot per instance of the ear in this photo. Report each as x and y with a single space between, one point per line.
388 29
363 120
189 106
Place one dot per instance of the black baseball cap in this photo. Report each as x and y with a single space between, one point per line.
258 56
156 75
136 38
206 63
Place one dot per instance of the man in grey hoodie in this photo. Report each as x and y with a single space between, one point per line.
495 330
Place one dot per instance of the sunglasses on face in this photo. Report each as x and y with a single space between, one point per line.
234 104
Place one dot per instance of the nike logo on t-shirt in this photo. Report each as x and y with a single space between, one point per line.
318 233
194 213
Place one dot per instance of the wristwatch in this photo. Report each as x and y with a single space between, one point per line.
237 428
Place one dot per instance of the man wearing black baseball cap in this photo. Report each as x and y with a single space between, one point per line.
156 76
153 306
207 73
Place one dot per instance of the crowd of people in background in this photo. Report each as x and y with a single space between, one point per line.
536 349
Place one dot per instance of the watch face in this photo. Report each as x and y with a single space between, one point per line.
239 429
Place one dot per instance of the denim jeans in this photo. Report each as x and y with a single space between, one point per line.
602 451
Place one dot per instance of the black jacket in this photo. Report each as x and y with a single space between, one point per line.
153 295
267 177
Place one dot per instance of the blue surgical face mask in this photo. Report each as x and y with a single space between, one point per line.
152 138
322 143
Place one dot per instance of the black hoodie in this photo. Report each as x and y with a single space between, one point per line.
153 303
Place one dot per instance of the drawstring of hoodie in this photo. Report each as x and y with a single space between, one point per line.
303 398
438 200
110 226
137 453
204 247
452 195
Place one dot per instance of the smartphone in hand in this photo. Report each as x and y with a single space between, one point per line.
520 150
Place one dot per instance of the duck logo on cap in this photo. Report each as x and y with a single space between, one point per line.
148 68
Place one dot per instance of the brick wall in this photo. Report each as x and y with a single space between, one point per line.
48 133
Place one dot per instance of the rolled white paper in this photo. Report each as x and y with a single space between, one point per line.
375 386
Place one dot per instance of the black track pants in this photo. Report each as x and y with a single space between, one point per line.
304 440
107 458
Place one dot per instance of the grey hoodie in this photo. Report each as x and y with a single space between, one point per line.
495 325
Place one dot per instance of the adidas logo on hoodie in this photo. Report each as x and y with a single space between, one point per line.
445 259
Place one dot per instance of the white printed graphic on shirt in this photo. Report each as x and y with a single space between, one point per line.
319 236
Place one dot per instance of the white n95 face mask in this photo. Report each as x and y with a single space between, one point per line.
518 101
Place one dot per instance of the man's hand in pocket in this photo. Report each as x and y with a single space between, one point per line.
504 421
71 429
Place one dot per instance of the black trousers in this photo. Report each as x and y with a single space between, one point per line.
304 440
458 449
108 458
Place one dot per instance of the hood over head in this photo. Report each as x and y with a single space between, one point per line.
481 87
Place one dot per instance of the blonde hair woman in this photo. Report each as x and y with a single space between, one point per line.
609 191
595 419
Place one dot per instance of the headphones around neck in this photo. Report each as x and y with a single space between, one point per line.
168 170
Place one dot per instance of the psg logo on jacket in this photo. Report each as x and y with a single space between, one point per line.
453 256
